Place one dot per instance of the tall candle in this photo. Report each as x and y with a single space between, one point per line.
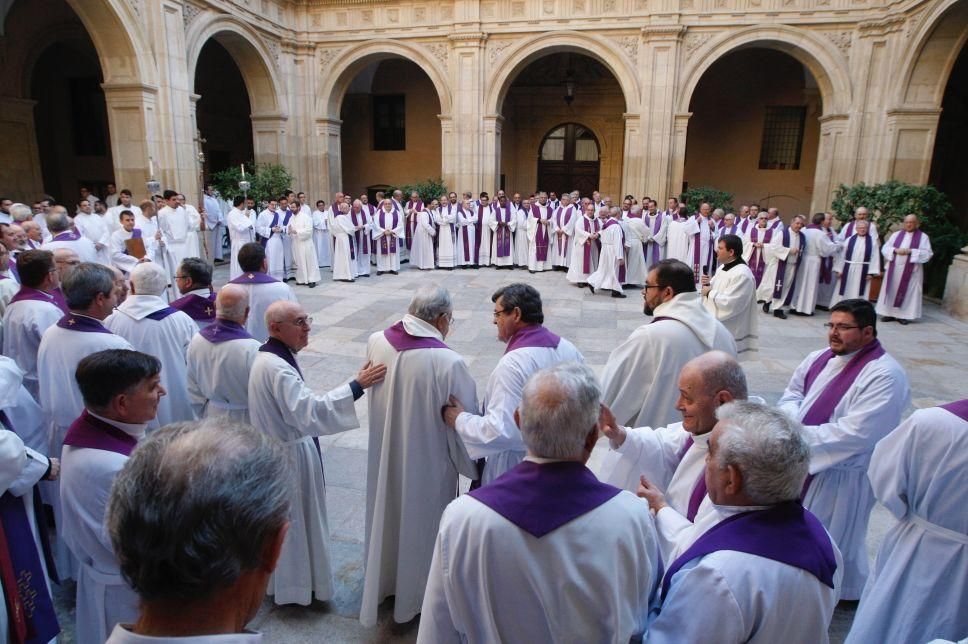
243 171
151 169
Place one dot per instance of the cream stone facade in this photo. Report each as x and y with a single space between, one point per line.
874 75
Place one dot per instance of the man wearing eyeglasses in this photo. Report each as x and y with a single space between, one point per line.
848 397
285 407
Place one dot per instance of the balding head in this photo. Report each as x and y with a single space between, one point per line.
232 303
65 260
57 220
911 223
288 323
148 278
705 383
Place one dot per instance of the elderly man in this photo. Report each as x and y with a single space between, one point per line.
584 254
788 248
761 569
639 381
860 214
730 294
262 289
855 267
387 231
905 253
919 586
773 221
146 321
610 274
194 280
509 551
563 224
446 218
241 226
672 458
283 406
121 390
304 248
413 459
35 234
220 357
344 251
494 435
211 551
63 236
539 235
817 248
848 397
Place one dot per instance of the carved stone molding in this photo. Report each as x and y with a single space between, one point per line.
327 55
841 40
630 45
136 5
496 50
881 27
663 31
693 41
189 12
273 47
439 50
469 37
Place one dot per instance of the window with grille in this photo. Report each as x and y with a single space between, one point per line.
782 137
389 123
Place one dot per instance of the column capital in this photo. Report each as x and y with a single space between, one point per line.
663 32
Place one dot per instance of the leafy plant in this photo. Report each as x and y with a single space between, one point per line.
268 181
428 189
888 203
695 197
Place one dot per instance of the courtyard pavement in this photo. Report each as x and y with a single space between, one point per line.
933 351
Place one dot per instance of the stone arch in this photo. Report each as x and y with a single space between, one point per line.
248 49
828 70
119 39
529 50
939 38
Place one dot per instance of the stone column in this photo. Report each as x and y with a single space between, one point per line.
269 137
328 140
910 136
956 288
678 160
633 175
133 122
448 153
20 173
467 79
493 124
663 162
833 161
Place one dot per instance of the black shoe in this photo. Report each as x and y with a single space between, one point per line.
379 273
591 288
619 294
582 284
404 261
363 275
904 322
779 314
822 308
766 307
395 272
888 318
312 285
448 268
532 272
629 287
803 315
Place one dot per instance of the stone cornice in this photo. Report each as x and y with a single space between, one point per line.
476 36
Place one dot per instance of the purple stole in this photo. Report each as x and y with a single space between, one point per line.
388 245
696 246
959 409
731 231
772 225
90 432
81 323
908 267
254 278
453 228
744 224
656 250
757 262
699 490
161 314
400 340
540 235
362 239
562 221
621 268
541 498
224 331
197 307
848 254
465 236
786 533
849 228
823 407
502 236
533 335
67 235
28 294
411 224
781 267
480 227
587 259
12 266
60 300
826 263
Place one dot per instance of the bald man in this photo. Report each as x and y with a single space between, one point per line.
905 254
220 357
283 406
35 234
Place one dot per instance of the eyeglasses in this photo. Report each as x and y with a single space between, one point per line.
498 313
840 327
305 322
648 286
181 277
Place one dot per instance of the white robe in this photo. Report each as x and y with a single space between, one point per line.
83 246
24 323
174 225
848 230
544 220
214 224
792 277
561 237
281 405
641 379
97 229
681 241
818 247
522 247
113 219
484 232
911 309
193 240
422 247
362 265
119 251
637 238
854 288
389 261
344 264
495 435
732 299
446 219
304 249
218 377
22 408
491 581
276 256
321 239
103 597
467 234
918 588
840 494
241 231
606 276
260 297
166 339
507 260
413 463
733 597
584 229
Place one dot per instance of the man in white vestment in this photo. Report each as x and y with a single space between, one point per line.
522 247
63 236
196 229
304 249
639 381
30 313
241 232
610 274
563 225
467 236
388 231
918 589
113 216
146 321
194 280
214 222
684 241
211 551
503 223
493 435
855 267
905 253
270 232
220 357
540 251
848 397
414 460
344 245
174 226
422 235
360 218
120 258
730 294
827 281
545 553
860 214
816 250
788 247
761 569
446 217
324 245
262 288
638 236
284 407
97 229
585 250
657 223
121 390
773 221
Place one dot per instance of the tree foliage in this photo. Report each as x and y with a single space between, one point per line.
269 181
428 189
888 203
695 197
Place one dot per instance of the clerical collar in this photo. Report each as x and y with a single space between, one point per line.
738 260
136 430
540 460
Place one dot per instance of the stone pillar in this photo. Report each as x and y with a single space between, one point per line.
467 79
133 122
910 136
633 175
833 162
493 124
328 133
956 288
663 160
20 172
269 137
448 153
678 160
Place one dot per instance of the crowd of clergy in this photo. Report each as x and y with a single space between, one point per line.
713 515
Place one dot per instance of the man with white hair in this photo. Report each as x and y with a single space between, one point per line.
905 253
35 234
152 326
860 214
304 248
344 250
788 247
856 266
414 459
283 406
194 281
63 236
761 569
262 288
610 274
509 551
220 358
388 230
493 434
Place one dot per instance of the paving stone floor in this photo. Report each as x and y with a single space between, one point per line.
346 314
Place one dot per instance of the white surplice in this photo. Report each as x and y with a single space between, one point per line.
491 581
658 237
732 299
83 246
606 275
98 230
218 377
241 225
641 379
322 239
282 406
24 323
840 494
193 239
792 277
166 339
918 589
383 223
275 245
585 227
854 287
911 308
103 597
540 217
22 409
681 242
422 246
495 435
817 248
120 258
733 597
413 463
304 249
446 219
521 243
637 237
563 227
466 236
261 296
344 262
122 634
512 224
484 214
174 226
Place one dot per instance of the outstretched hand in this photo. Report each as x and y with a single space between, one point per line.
609 427
451 411
652 494
371 374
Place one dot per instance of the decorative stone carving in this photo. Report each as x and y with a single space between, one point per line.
608 6
694 41
841 40
579 6
273 48
341 19
496 50
630 45
420 14
517 9
327 55
393 15
447 12
136 5
488 10
548 7
189 11
367 17
439 50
